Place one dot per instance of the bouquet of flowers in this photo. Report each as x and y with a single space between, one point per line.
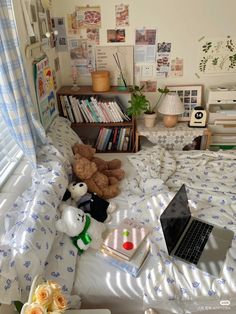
45 298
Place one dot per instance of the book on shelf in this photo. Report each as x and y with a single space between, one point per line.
126 238
126 140
106 139
122 109
75 108
109 145
134 265
63 106
115 138
83 110
98 110
69 109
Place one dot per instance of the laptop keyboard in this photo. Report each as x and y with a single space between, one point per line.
194 241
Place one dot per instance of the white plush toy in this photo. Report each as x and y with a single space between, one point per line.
82 228
99 208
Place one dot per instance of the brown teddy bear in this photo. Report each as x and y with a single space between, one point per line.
101 176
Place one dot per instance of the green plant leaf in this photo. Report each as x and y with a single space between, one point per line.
18 306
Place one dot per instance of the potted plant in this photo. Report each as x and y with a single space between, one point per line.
140 104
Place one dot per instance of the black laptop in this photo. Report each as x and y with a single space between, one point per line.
191 239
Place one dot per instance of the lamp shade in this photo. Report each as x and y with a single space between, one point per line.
171 105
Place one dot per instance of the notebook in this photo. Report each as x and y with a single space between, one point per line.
193 240
125 239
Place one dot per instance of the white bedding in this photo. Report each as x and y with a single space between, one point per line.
31 243
165 283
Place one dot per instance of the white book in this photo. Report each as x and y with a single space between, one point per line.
78 109
87 109
101 139
121 140
94 106
82 110
112 115
133 266
116 110
74 109
63 107
69 109
122 109
105 111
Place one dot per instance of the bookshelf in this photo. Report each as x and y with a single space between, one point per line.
109 136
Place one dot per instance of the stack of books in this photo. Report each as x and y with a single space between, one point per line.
114 139
127 246
93 109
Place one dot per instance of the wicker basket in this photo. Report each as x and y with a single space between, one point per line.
101 81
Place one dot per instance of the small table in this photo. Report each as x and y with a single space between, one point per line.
177 138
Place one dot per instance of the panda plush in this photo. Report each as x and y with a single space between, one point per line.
77 195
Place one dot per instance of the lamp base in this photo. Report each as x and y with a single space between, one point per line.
170 121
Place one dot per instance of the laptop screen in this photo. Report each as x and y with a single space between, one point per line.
175 218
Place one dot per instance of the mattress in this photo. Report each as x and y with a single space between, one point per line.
152 178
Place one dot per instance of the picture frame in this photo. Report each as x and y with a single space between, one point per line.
190 95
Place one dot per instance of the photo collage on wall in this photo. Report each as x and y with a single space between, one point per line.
190 95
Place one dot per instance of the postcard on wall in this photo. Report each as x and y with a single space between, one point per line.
145 36
122 15
82 55
105 61
217 55
149 86
164 47
88 17
147 70
72 24
176 67
145 54
116 35
93 35
163 63
58 24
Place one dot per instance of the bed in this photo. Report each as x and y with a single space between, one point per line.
31 243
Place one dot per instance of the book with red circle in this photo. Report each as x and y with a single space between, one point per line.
125 239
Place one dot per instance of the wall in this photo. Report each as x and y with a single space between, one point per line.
180 22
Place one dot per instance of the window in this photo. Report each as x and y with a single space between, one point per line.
10 153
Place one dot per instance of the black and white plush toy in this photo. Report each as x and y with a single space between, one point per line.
76 195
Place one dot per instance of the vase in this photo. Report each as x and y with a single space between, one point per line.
150 119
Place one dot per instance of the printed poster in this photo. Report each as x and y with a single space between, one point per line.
82 55
163 59
116 35
122 15
88 17
44 85
217 55
145 36
176 67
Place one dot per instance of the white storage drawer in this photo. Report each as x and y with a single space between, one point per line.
223 139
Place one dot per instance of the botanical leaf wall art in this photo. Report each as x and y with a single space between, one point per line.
217 56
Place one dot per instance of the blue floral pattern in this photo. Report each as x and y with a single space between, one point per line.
30 243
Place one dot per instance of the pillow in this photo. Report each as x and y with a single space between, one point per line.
63 137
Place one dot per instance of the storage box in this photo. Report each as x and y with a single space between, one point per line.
101 81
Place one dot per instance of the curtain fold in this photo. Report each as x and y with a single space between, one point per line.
16 105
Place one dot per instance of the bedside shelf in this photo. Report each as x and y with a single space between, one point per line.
118 135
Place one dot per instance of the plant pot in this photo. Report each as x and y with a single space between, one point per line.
150 119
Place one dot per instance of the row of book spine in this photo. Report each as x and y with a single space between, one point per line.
92 109
114 139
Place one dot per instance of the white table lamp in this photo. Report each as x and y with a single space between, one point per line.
171 106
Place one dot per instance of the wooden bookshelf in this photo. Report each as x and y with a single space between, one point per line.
92 128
